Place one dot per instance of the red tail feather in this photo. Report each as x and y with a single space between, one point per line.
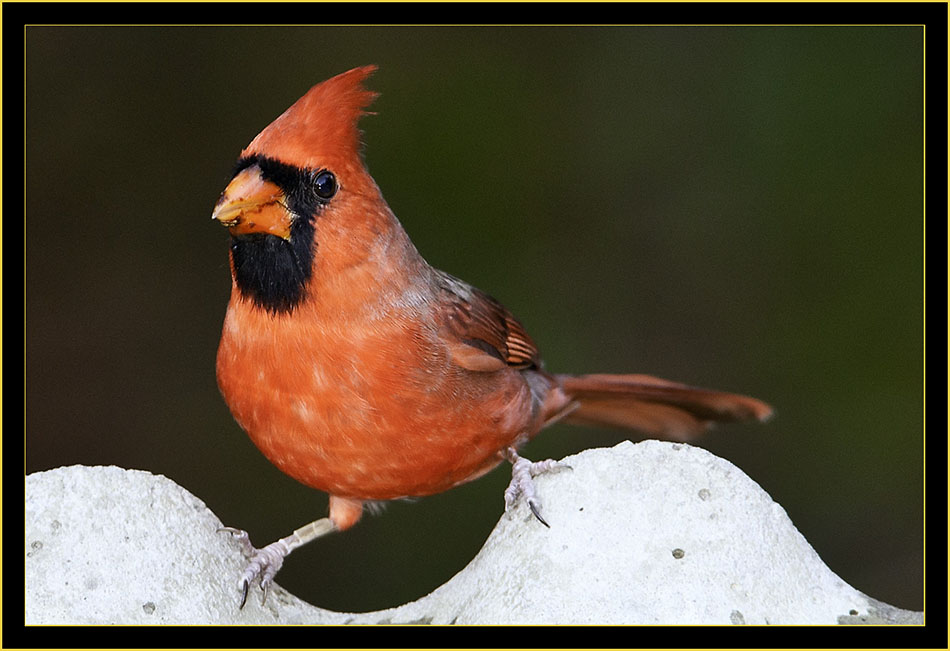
655 407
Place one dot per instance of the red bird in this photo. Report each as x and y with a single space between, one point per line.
361 371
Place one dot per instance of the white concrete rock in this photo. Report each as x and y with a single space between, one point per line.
652 533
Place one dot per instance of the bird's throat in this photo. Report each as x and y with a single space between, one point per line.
272 272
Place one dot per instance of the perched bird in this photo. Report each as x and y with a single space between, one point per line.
360 370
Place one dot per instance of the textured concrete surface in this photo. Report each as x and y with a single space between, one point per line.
652 533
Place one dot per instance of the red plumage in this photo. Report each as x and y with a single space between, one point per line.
360 370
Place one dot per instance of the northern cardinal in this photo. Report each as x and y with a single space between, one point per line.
361 371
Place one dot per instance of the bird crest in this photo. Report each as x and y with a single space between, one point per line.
320 127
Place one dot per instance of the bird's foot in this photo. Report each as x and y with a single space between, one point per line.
263 564
522 483
266 562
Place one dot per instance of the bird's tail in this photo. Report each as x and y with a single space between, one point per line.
654 407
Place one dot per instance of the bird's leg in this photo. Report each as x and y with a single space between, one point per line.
267 561
522 472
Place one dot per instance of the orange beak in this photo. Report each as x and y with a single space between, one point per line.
252 205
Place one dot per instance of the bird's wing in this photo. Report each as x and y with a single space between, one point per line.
482 334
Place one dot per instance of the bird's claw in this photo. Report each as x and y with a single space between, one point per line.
264 563
241 536
522 473
535 507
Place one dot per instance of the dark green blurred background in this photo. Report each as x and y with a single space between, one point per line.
738 208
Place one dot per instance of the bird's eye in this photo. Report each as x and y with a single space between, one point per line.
325 184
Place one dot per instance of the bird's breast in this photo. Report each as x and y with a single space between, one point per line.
365 408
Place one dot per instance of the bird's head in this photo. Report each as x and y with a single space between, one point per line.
300 181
